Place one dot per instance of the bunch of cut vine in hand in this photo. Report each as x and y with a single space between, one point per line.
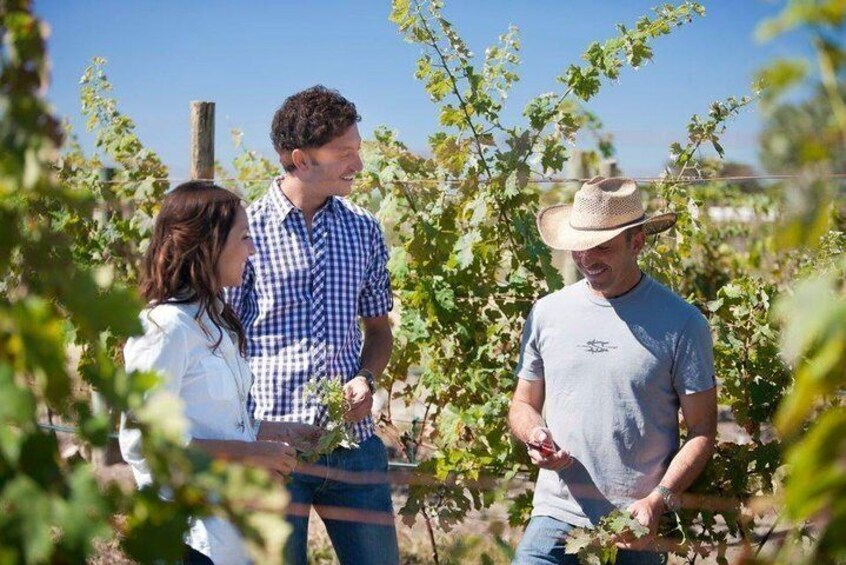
330 394
598 545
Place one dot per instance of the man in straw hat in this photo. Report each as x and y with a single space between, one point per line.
605 365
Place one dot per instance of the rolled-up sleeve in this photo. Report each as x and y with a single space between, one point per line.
376 298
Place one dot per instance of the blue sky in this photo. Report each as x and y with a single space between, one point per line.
248 56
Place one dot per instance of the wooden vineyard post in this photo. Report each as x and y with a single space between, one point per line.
202 140
608 168
576 169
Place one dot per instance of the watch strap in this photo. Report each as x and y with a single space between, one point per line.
671 500
368 376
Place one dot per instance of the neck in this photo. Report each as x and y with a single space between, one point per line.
624 286
301 197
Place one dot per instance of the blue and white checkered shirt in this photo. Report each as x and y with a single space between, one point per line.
301 300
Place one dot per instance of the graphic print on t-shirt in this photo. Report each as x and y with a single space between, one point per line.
598 346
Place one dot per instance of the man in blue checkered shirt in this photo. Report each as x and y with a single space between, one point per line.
318 277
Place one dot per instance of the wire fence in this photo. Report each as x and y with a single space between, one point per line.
72 430
407 474
539 180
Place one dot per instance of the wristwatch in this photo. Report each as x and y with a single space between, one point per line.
671 500
368 376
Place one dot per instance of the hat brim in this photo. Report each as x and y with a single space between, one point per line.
556 231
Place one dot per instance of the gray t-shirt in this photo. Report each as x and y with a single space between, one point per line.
613 371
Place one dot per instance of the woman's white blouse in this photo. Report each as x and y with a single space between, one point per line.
213 386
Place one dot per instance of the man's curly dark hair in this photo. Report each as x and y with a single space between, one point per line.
311 118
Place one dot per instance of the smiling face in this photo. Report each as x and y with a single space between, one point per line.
237 249
611 268
331 168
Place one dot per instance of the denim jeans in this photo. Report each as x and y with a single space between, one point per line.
544 539
349 490
193 557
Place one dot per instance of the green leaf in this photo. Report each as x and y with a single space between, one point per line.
451 116
84 517
779 77
39 344
714 305
18 405
806 314
39 458
553 155
27 514
165 412
96 310
817 480
578 541
464 247
400 14
150 518
8 237
731 291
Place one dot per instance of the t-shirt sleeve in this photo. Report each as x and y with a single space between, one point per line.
693 367
530 365
376 298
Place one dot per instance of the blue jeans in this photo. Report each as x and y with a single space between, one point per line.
348 489
543 543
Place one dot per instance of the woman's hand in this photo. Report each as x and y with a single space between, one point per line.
303 437
273 455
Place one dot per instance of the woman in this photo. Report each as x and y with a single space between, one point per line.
194 340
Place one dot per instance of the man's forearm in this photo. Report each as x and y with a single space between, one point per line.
523 418
301 436
688 463
376 351
227 449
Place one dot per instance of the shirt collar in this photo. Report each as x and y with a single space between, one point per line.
284 205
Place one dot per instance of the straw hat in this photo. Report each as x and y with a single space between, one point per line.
602 209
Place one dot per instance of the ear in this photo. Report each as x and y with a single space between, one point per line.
300 159
638 242
285 159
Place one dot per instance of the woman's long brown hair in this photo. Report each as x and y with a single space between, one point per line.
180 263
